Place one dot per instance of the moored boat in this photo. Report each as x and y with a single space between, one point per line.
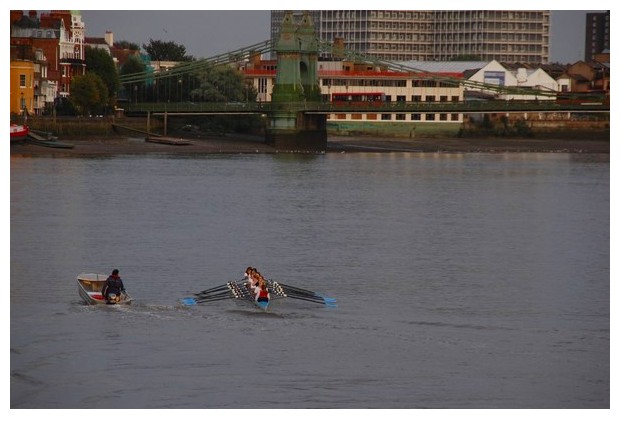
90 286
19 132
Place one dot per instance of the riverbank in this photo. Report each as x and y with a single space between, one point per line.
232 144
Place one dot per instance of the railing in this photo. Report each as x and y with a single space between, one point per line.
355 107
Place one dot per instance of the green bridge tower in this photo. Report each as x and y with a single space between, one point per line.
297 81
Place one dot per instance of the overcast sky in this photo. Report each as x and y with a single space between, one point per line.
205 33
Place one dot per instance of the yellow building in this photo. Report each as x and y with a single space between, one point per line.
22 87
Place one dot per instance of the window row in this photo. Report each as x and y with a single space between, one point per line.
443 117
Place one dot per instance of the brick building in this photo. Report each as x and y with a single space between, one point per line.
59 34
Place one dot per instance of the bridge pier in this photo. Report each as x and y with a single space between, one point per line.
296 131
297 82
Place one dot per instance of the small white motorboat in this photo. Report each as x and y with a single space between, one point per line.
90 286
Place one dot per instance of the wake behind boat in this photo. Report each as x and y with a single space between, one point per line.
90 286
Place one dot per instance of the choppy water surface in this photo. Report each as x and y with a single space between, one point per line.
463 281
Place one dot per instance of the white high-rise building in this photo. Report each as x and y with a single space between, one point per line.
435 35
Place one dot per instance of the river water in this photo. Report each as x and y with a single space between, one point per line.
464 281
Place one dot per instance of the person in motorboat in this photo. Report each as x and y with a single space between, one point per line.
113 288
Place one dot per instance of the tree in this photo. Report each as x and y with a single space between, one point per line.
133 65
222 83
98 61
166 51
89 94
124 44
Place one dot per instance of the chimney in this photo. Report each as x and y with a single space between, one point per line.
16 15
109 38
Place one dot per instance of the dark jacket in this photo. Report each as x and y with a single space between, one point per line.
113 284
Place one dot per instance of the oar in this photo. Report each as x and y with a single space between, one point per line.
289 290
216 287
188 301
221 298
222 292
213 289
194 301
328 304
215 295
296 289
331 302
316 299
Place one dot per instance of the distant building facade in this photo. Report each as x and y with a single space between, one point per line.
496 73
440 35
59 34
597 35
350 82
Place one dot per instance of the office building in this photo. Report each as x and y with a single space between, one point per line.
597 34
440 35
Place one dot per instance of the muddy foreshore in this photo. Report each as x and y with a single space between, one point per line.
229 144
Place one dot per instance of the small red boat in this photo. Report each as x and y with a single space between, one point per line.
19 132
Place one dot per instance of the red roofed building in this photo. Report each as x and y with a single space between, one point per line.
60 35
348 81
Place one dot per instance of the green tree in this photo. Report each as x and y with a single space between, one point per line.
124 44
133 65
222 83
98 61
159 50
89 94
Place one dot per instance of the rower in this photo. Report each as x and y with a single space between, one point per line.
251 274
262 293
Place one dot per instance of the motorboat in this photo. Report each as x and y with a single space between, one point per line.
90 286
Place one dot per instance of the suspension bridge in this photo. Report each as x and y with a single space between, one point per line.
296 114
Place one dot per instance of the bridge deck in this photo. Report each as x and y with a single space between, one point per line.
189 108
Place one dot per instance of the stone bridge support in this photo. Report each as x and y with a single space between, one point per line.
297 81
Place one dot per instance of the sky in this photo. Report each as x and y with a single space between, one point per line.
206 33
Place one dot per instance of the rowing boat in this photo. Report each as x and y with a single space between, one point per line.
263 305
90 286
240 290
